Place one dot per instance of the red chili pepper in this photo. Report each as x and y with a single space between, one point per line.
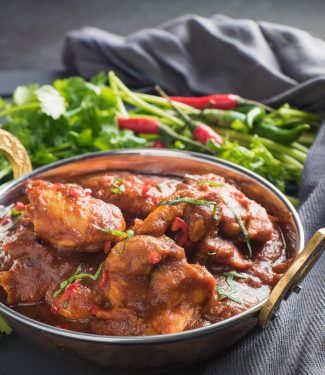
5 220
70 289
94 309
203 133
28 188
88 192
221 101
19 206
159 144
179 224
154 258
147 186
62 326
104 279
139 124
54 309
74 192
107 247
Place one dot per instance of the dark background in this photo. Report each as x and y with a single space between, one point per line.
31 38
32 31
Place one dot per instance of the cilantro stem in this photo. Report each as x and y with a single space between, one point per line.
272 146
133 99
120 105
18 108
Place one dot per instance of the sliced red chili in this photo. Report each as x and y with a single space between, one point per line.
107 247
94 309
54 309
28 188
88 192
19 206
154 258
104 279
69 290
62 326
5 220
74 192
179 224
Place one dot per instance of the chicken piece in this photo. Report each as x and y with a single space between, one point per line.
231 205
197 217
135 195
66 217
117 322
78 301
214 250
130 264
180 290
150 278
35 268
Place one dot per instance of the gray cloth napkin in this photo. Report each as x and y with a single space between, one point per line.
257 60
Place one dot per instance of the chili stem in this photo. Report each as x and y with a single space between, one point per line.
165 103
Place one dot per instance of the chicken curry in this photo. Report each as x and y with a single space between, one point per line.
125 255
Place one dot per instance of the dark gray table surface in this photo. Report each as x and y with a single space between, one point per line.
32 34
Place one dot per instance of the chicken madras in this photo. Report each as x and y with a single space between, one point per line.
129 255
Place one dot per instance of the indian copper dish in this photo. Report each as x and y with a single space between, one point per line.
141 259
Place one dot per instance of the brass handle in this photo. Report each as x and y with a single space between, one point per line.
290 281
11 147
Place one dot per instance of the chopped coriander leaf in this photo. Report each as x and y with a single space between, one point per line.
118 186
242 227
198 202
210 183
4 327
232 289
114 232
16 212
223 294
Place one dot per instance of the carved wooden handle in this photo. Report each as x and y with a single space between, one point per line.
11 147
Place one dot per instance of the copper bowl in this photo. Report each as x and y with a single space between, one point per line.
156 352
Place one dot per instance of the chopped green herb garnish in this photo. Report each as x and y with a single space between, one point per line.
198 202
114 232
4 327
117 186
230 294
16 212
127 235
210 183
242 227
77 276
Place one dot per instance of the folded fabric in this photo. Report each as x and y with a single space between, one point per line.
257 60
195 55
